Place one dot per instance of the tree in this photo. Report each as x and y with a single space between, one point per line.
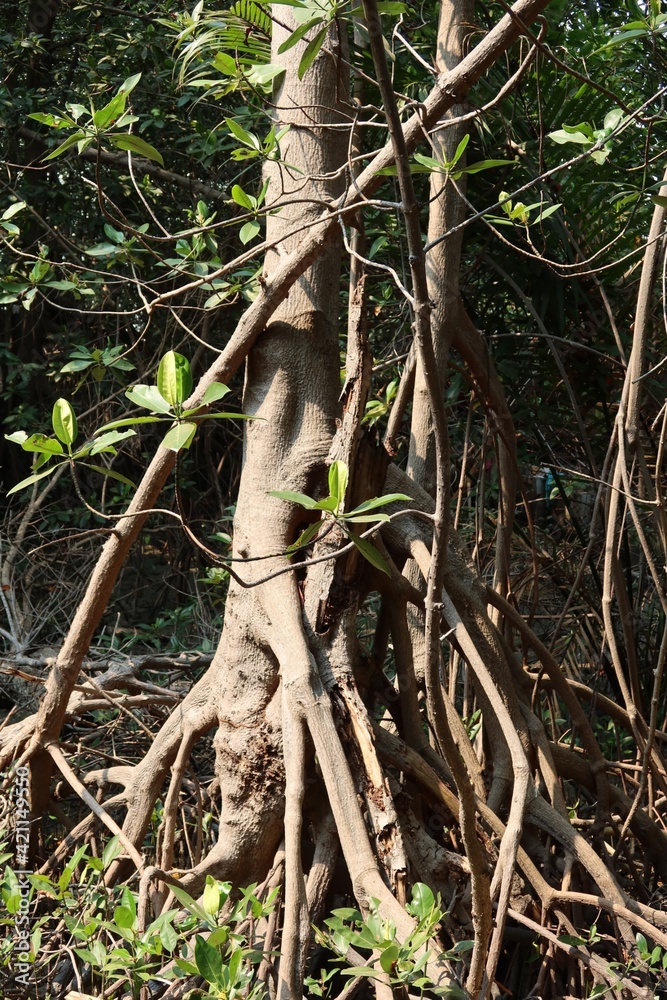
311 728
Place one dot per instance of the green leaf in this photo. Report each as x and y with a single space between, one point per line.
475 168
190 905
577 942
64 422
366 518
134 144
114 235
108 114
225 63
148 396
241 198
362 970
32 479
612 119
389 957
626 36
13 210
249 231
124 917
659 199
179 437
306 536
263 75
379 502
227 416
298 34
600 155
329 503
311 51
562 136
127 86
422 902
109 473
460 149
392 7
102 250
187 967
174 379
61 286
42 445
338 478
289 495
211 897
67 144
44 119
369 552
214 392
168 937
461 947
113 850
547 212
209 962
247 138
18 437
218 297
127 422
429 162
75 366
109 439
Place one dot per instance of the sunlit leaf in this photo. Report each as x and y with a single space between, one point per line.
249 231
247 138
211 897
338 478
376 502
148 396
64 422
108 114
179 437
33 479
289 495
367 518
134 144
329 503
460 149
70 141
422 902
174 379
18 206
241 198
298 34
127 86
310 52
108 439
215 391
18 437
42 445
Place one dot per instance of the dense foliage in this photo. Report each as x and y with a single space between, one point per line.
134 202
